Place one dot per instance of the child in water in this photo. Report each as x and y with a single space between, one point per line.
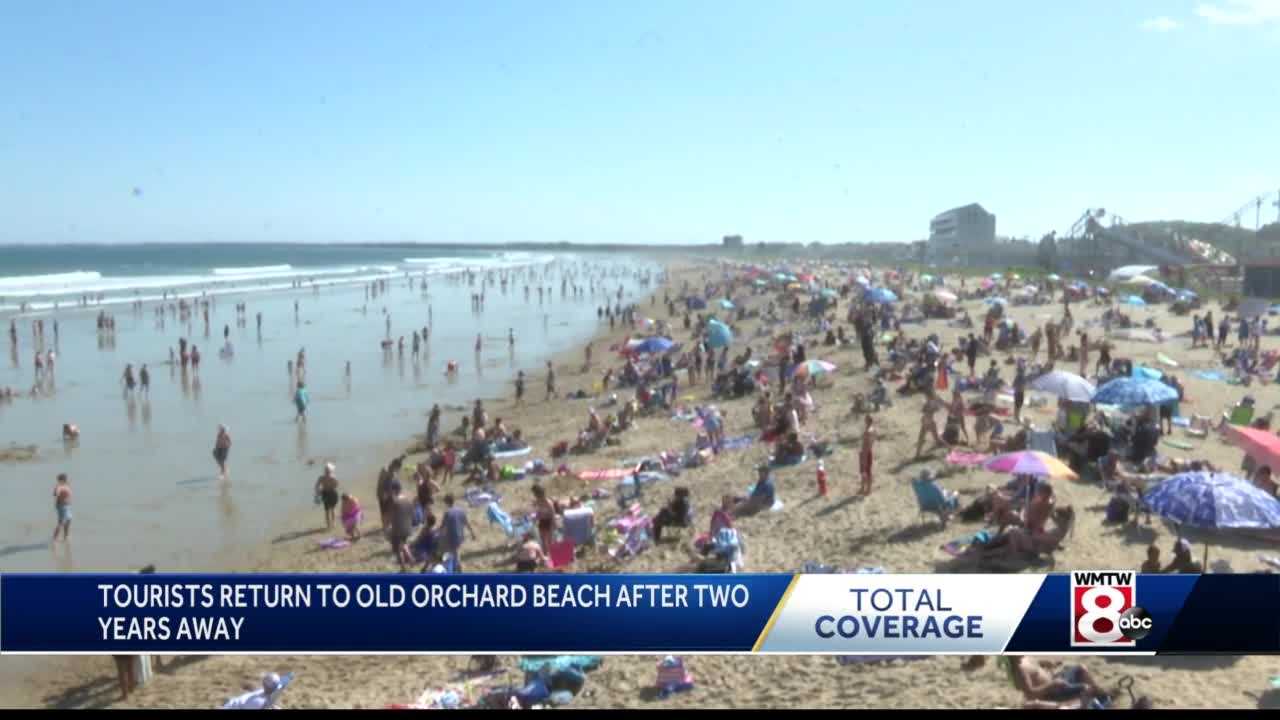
300 400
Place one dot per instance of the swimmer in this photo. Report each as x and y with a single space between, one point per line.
70 432
144 377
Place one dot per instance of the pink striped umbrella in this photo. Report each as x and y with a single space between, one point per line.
1030 462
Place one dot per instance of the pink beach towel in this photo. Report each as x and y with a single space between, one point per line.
609 474
960 457
561 554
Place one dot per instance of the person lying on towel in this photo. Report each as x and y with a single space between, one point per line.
762 495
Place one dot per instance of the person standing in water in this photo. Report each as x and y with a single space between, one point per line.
62 506
144 376
478 343
511 338
300 401
327 492
221 449
195 359
128 380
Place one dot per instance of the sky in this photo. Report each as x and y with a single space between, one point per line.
663 121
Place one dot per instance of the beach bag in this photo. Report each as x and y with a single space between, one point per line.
1117 510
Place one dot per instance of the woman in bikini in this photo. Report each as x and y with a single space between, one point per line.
545 511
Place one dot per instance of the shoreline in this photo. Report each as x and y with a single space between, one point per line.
881 530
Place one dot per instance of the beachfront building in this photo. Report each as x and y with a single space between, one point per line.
732 242
963 234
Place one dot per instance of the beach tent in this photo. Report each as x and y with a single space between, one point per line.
718 334
1129 271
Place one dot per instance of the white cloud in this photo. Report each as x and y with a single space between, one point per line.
1160 24
1240 12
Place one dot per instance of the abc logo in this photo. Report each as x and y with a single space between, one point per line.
1135 623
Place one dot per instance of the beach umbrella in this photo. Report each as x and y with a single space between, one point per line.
863 281
726 304
1261 445
1030 462
718 334
1101 291
829 293
1031 289
945 296
880 296
656 344
997 276
812 368
1215 501
1142 280
1134 300
759 283
1185 294
987 283
1055 277
996 301
926 279
1065 385
1146 373
695 303
1015 276
780 277
1133 391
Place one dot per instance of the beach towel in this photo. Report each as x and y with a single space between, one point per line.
561 554
1179 444
603 474
1209 375
556 663
512 453
960 457
958 547
333 543
476 497
737 443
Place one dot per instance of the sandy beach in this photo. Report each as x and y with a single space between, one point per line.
844 530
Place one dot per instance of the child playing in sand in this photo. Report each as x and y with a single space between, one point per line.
866 456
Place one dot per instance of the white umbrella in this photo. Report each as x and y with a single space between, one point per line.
945 296
1139 280
1065 385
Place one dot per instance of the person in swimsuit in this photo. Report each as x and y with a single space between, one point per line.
327 490
551 381
545 511
402 512
426 487
62 506
300 401
128 380
351 515
928 424
866 455
529 557
520 388
956 413
144 377
222 448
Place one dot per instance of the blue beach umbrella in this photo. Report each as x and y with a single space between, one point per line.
654 344
726 304
880 296
1132 391
829 294
996 301
718 334
1214 500
1134 300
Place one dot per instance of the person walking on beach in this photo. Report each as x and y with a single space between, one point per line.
195 359
127 379
62 506
1019 390
221 449
551 382
928 424
144 377
402 512
519 388
455 525
433 426
866 455
300 401
327 492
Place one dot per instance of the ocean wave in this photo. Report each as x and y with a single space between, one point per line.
27 283
259 270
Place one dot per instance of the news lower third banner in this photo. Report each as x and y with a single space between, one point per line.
1079 612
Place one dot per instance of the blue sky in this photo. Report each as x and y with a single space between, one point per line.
656 121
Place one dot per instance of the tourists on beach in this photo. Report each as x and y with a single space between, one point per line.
455 525
545 512
586 365
402 513
351 514
301 398
551 382
327 493
62 506
144 378
221 449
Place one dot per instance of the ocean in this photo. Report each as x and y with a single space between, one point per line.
144 480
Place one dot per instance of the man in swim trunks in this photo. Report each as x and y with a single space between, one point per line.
327 489
62 506
402 511
455 526
551 381
221 449
529 557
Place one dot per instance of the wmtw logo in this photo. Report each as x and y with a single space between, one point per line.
1105 611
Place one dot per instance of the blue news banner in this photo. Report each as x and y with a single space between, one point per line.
1079 612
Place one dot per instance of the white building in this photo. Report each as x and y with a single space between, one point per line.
961 230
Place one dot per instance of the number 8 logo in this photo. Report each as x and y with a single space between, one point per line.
1086 625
